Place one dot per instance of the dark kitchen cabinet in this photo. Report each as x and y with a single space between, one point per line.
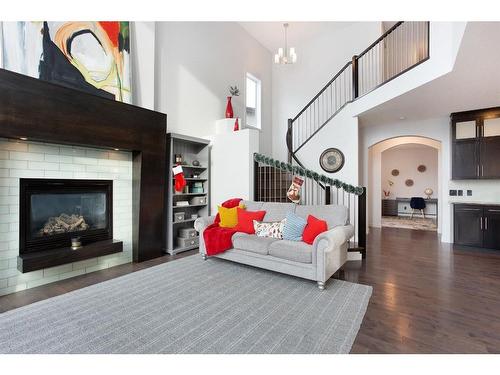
477 225
465 160
467 225
492 227
490 157
476 144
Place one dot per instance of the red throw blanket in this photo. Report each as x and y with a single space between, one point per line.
217 239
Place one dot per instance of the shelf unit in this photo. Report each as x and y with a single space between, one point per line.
191 149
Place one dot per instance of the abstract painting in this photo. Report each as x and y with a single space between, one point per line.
90 56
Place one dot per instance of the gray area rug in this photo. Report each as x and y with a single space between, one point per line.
192 306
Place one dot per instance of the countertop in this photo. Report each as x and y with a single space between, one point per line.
430 200
400 199
474 202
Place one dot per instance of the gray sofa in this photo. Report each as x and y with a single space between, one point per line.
317 262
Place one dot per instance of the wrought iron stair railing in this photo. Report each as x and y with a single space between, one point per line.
272 178
401 48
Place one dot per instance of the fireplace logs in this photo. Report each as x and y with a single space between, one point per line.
63 224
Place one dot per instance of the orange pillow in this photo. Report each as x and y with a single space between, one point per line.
313 228
246 218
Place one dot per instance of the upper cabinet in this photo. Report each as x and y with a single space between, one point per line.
476 144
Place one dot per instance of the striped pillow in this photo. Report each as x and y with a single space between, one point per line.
294 227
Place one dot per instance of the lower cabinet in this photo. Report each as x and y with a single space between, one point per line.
389 207
492 227
477 225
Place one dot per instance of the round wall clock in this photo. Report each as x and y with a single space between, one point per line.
331 160
395 172
409 182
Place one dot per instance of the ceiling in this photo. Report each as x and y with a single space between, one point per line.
271 34
474 83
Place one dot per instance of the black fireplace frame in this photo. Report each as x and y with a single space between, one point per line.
30 186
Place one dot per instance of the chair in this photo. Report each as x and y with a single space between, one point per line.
417 203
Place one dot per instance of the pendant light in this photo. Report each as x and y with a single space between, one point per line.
285 55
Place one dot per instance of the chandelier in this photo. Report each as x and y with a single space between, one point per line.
285 55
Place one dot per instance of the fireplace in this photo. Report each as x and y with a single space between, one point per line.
55 211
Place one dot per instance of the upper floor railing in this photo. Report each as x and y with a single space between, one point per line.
401 48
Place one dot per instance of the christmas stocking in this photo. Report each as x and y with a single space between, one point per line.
294 190
180 182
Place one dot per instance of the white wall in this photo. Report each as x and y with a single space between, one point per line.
318 61
142 50
231 161
196 64
342 133
406 159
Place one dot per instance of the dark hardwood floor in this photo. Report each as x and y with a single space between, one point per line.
428 297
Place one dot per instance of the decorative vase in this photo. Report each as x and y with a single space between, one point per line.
236 125
229 108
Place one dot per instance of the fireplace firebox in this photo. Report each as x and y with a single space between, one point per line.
53 211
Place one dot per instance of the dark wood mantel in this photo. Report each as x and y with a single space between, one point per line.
47 112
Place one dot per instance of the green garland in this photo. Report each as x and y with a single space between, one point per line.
298 170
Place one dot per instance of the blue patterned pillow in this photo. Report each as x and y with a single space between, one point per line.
294 227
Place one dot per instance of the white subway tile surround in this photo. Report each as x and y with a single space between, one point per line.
40 160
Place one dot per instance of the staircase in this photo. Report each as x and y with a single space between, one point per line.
401 48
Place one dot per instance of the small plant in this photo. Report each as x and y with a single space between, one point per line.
234 90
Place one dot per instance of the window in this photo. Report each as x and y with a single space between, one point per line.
252 101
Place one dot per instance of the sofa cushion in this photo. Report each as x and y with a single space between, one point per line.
228 216
291 250
252 205
252 243
313 228
246 219
333 214
294 227
276 211
273 229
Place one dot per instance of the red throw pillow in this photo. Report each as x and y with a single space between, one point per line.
246 218
230 203
314 227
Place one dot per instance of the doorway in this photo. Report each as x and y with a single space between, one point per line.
405 183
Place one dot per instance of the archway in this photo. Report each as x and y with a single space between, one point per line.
375 183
